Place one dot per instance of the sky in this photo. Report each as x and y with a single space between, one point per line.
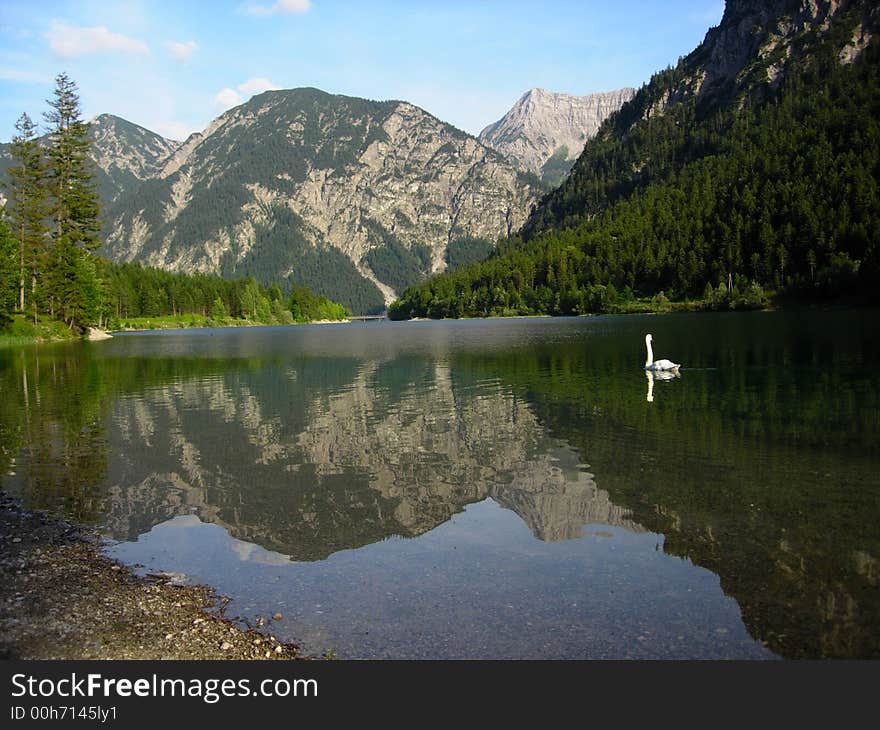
173 66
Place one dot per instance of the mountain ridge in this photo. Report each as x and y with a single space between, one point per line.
353 198
304 175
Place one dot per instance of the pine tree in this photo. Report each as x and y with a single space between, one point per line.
27 210
74 207
8 273
75 196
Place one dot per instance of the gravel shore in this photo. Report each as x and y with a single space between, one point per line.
62 598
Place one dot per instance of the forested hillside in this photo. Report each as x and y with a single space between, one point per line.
707 185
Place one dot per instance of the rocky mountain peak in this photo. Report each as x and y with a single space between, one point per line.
126 154
120 143
756 39
545 131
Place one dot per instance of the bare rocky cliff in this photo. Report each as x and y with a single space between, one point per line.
544 126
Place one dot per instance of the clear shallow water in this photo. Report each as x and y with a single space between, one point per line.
505 488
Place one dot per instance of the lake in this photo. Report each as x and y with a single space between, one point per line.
514 488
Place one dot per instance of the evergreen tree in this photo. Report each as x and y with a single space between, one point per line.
8 273
74 207
27 210
218 310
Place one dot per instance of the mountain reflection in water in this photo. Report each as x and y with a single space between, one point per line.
330 450
360 464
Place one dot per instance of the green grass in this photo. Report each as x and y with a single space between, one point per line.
185 321
21 330
657 306
170 322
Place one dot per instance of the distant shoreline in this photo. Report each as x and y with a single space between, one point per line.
49 334
244 323
57 335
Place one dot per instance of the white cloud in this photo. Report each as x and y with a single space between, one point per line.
24 77
177 131
256 86
181 50
228 98
68 41
282 7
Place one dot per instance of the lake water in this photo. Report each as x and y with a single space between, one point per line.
483 488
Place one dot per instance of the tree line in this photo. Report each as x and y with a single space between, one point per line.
132 291
50 230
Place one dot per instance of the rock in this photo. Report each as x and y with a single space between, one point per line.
96 334
99 614
277 616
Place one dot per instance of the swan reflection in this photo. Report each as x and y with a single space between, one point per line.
653 375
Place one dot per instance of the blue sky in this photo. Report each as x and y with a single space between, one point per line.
174 66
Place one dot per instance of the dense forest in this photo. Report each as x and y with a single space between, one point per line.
719 200
49 232
133 291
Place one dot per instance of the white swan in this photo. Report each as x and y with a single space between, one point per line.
656 365
658 375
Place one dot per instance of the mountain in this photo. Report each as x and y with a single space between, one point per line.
355 199
752 164
125 155
545 132
741 66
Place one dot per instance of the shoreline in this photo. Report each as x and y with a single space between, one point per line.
244 324
61 597
11 340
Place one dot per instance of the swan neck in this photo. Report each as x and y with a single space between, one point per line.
650 359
